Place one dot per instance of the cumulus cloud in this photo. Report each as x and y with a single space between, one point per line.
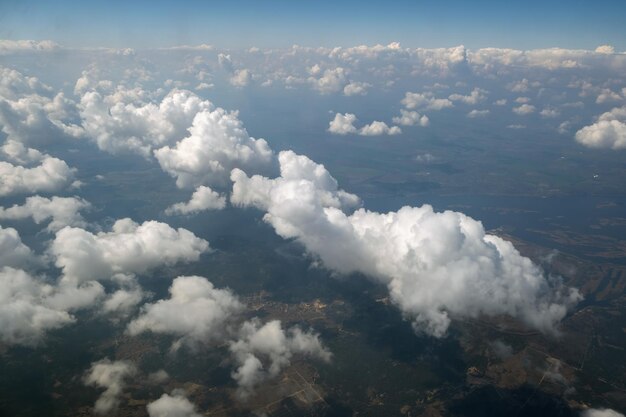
426 101
31 114
332 81
477 113
175 405
356 88
601 412
241 78
262 351
204 198
16 152
342 124
435 265
609 131
52 174
196 313
411 118
12 251
549 113
524 109
377 128
476 96
24 315
605 49
123 122
61 211
128 248
216 144
112 376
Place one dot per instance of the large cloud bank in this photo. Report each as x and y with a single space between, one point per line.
435 265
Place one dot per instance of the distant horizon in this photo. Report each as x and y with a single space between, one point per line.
209 46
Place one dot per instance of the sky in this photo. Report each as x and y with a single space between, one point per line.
530 24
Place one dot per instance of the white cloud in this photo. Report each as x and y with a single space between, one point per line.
601 412
332 81
63 211
377 128
521 86
425 101
128 248
24 315
15 151
204 198
607 96
435 265
241 78
51 175
217 143
172 406
122 122
524 109
123 301
356 88
605 49
262 351
342 124
549 113
8 46
411 118
609 131
476 96
112 376
477 113
196 313
13 252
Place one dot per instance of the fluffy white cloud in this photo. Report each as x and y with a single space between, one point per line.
112 376
477 113
549 113
31 113
342 124
16 152
331 81
35 119
435 265
51 174
411 118
426 101
609 131
605 49
476 96
356 88
123 122
262 351
377 128
172 406
63 211
601 412
204 198
12 251
196 313
127 248
24 315
241 78
216 144
524 109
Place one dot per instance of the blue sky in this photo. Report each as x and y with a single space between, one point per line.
426 23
